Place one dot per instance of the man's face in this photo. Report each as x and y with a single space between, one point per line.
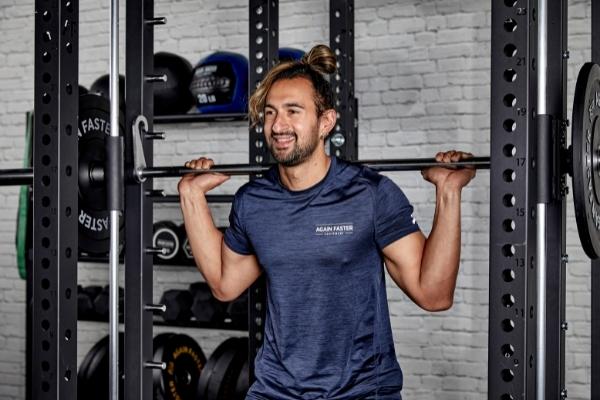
291 122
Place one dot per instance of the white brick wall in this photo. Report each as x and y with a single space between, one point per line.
422 78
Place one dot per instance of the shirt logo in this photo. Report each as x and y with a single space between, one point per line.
346 228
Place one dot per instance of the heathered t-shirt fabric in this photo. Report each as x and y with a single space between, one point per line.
327 330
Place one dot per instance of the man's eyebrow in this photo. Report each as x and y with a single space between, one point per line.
286 105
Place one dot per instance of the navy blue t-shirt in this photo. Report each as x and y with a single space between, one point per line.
327 329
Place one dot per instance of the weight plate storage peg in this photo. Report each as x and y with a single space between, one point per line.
184 359
586 158
94 126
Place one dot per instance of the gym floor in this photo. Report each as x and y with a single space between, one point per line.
423 84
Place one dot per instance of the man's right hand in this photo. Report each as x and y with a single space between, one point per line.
191 184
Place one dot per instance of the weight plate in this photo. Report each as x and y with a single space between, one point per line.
586 157
209 369
165 236
243 382
92 378
94 125
185 360
227 370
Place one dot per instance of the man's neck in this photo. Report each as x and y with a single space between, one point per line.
306 174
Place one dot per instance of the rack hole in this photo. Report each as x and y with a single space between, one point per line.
507 396
510 150
46 242
46 16
508 250
68 375
507 375
45 201
509 125
46 159
45 345
45 325
68 335
509 100
510 75
69 48
510 50
508 275
509 175
45 263
45 304
69 130
68 211
46 140
45 284
510 25
69 88
510 3
509 200
508 350
46 98
68 170
68 252
508 225
46 77
45 386
46 180
46 119
45 366
508 325
508 300
46 57
45 222
68 293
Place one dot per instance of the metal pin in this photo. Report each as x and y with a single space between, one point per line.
564 326
155 78
155 307
155 365
157 250
155 193
156 21
154 135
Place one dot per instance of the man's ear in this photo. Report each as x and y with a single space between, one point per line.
327 121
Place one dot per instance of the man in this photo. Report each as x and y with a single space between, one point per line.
320 229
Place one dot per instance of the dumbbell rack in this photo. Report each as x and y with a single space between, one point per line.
53 330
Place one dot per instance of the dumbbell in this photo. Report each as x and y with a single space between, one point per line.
178 304
85 301
101 303
205 308
237 310
166 236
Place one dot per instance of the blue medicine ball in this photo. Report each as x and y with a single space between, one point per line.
220 83
290 54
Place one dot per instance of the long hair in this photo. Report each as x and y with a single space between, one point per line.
319 61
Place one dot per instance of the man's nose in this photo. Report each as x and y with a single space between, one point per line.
280 124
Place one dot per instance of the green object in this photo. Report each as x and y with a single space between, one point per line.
24 227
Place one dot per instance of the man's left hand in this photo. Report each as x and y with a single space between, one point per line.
450 178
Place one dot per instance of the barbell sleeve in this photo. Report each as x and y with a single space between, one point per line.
15 177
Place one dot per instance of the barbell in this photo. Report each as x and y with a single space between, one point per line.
581 161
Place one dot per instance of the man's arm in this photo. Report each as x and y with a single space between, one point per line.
426 268
227 273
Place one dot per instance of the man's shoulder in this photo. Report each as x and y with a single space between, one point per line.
359 173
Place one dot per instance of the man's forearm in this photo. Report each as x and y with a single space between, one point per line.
204 238
441 256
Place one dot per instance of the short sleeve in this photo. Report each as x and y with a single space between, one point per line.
393 213
236 237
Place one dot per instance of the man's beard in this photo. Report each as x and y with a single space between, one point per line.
299 153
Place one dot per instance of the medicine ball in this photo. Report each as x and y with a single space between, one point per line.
172 96
220 83
101 86
289 54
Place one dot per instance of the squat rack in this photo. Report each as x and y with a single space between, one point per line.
512 355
